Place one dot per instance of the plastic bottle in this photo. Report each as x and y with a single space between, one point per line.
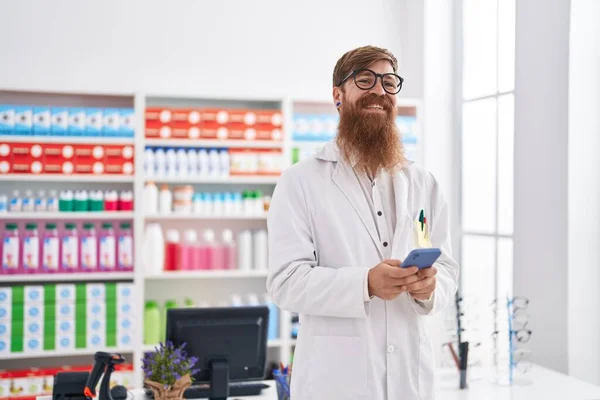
245 258
198 204
238 204
192 162
40 201
126 200
228 204
214 163
172 250
125 247
171 158
16 204
70 249
208 203
153 249
182 163
229 250
3 203
160 163
189 251
31 249
52 202
260 250
89 248
165 200
169 304
81 201
273 329
149 163
210 253
111 200
203 163
150 198
50 249
152 323
28 202
259 204
218 204
96 200
224 162
66 202
248 202
107 248
10 250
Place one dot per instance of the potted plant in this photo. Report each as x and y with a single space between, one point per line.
168 371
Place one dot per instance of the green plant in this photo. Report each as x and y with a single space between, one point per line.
168 363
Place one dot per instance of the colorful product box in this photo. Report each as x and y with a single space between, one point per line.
60 121
65 293
7 119
95 292
42 119
77 121
34 294
5 295
23 120
126 123
111 122
94 122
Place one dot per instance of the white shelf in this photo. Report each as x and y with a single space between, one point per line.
74 277
208 274
61 353
65 178
244 144
248 180
66 139
270 343
108 215
195 217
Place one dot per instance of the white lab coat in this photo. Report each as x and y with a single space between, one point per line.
322 238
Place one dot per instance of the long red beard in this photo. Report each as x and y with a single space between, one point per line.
372 140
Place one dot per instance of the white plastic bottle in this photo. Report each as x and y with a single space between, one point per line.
171 157
224 162
16 204
153 249
165 200
182 163
28 202
203 164
150 198
229 249
52 202
218 204
238 204
245 258
228 204
198 204
40 201
192 162
160 163
149 163
215 163
260 251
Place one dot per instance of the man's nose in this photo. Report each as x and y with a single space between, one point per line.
378 88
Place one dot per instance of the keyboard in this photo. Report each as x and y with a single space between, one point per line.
201 391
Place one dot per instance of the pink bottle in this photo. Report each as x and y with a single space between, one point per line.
11 250
31 249
69 249
107 248
190 253
125 248
228 249
211 257
172 250
50 249
89 248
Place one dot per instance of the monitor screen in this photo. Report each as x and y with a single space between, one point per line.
236 335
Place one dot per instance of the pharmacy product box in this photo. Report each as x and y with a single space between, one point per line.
163 115
95 309
60 121
125 291
96 340
5 328
268 132
95 292
65 327
65 310
94 121
153 129
96 325
126 122
214 130
34 294
215 115
6 312
77 121
240 131
185 118
7 119
23 120
5 295
269 162
246 117
65 293
112 122
34 328
269 117
33 344
65 342
34 312
4 345
41 121
125 339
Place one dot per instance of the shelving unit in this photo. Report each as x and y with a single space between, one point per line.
62 353
210 286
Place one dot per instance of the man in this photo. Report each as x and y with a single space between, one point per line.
339 223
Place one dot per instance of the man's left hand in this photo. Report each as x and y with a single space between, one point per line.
425 286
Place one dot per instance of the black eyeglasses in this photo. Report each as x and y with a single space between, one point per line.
366 79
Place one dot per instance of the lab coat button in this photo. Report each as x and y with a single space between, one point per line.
379 213
385 244
391 349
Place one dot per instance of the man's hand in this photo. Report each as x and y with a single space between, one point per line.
387 280
423 288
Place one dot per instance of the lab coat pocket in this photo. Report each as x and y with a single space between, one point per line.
338 368
426 384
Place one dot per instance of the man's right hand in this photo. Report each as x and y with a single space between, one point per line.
387 280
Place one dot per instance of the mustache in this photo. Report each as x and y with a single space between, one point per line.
372 98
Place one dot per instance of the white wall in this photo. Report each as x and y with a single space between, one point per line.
584 191
228 48
541 264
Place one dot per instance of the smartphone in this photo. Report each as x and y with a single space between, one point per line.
421 258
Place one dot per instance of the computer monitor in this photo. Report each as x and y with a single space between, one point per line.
230 343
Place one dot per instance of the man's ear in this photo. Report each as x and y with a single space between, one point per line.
337 96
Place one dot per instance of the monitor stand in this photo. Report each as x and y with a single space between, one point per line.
219 380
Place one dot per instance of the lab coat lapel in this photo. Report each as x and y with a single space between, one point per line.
345 179
401 243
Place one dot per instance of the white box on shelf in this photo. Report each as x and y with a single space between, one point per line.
34 294
125 339
96 340
4 346
124 291
65 310
125 309
5 329
96 325
7 119
65 327
96 310
5 295
41 121
94 122
23 120
65 293
5 312
95 292
33 328
65 341
126 324
33 344
34 312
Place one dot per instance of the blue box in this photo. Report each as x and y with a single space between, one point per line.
7 119
23 120
77 121
127 125
41 121
60 121
94 122
112 122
